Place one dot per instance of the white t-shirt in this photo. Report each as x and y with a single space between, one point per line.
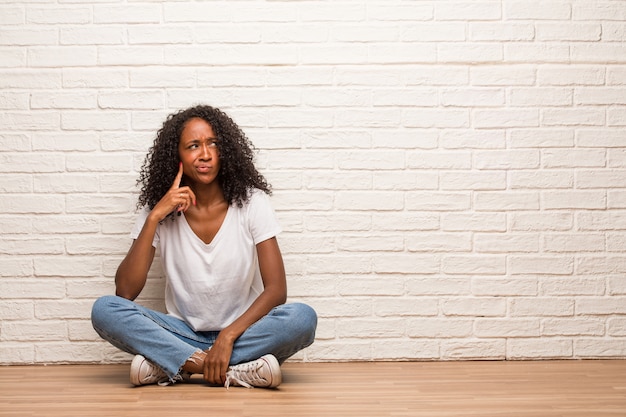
210 285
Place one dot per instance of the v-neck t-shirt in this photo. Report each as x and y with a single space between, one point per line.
210 285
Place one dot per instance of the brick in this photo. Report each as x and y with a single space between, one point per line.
525 10
130 55
541 306
535 348
358 286
601 138
559 32
397 97
143 100
544 179
98 163
17 183
572 327
593 52
474 222
474 306
24 37
355 200
17 310
410 349
587 242
62 56
12 15
536 52
506 200
513 159
48 330
95 78
30 121
449 160
473 264
505 243
406 307
145 13
574 200
500 287
94 121
563 75
374 328
437 201
438 328
402 221
92 35
616 116
437 285
541 138
616 327
507 75
473 139
469 53
501 31
537 221
466 10
14 267
58 15
529 264
572 286
600 96
540 97
158 78
600 179
79 266
433 32
403 181
509 328
574 158
601 10
473 181
13 57
314 33
406 264
473 97
505 118
439 242
473 349
400 12
367 160
589 348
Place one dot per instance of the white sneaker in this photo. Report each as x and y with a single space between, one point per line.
144 372
263 372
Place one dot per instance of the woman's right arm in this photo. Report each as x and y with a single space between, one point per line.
132 273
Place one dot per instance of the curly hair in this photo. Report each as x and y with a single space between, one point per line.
237 175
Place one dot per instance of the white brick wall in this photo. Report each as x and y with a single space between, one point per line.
450 175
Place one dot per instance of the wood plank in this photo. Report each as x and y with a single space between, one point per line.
459 389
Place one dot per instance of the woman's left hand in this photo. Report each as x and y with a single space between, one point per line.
217 360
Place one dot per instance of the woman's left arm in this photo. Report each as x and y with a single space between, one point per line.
274 293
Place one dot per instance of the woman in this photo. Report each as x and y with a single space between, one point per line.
206 207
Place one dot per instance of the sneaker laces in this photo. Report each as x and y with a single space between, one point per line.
244 374
185 376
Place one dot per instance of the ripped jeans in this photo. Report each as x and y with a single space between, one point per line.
168 342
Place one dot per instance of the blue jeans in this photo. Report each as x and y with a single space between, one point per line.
168 342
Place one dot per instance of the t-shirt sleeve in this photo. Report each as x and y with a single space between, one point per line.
141 219
261 217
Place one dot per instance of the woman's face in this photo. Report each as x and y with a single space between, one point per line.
198 152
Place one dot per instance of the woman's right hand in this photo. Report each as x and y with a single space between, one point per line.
177 198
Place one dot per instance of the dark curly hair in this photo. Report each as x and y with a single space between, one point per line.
237 175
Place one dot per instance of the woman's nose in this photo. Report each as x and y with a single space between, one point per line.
205 152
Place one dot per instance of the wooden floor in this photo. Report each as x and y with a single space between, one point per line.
434 389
